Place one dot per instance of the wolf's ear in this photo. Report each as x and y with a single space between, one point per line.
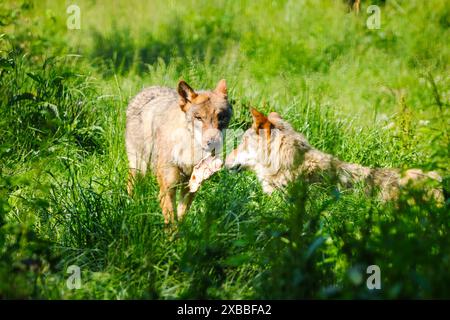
276 120
260 121
221 87
186 93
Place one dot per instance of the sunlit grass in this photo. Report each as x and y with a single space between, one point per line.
375 97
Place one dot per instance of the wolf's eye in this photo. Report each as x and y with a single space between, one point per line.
198 118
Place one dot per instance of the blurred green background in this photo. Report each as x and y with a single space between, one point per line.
376 97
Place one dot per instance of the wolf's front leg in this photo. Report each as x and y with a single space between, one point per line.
185 201
131 180
168 178
167 202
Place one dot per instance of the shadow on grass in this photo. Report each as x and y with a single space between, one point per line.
201 42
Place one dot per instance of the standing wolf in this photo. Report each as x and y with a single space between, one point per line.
279 155
170 131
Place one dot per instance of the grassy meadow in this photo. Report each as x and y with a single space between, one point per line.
377 97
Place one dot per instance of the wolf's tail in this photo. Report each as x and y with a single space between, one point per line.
390 180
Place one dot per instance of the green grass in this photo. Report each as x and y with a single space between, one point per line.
375 97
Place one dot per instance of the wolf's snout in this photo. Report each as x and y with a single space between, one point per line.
211 142
212 139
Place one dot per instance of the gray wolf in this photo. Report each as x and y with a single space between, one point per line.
279 155
169 131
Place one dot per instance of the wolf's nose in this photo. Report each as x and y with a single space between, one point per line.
211 142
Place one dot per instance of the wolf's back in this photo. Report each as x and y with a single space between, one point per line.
157 98
147 113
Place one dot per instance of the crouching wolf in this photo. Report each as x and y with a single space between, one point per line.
170 131
279 155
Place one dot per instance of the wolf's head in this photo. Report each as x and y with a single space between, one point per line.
208 112
269 148
254 150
